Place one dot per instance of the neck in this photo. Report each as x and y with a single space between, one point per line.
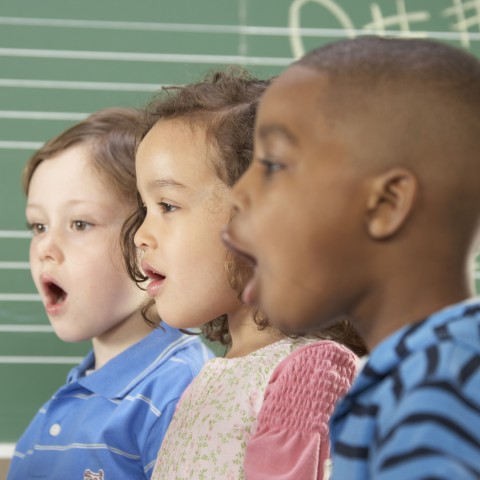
115 341
402 303
245 334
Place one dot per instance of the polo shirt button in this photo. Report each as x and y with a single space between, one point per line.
55 429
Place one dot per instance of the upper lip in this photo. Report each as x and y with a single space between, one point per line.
150 272
233 245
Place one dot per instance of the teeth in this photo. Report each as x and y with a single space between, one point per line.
154 275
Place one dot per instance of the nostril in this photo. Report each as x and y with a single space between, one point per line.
49 249
234 211
138 240
142 238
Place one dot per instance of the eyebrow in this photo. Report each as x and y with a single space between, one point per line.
278 130
165 183
70 203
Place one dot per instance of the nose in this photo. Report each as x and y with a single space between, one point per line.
144 237
241 191
47 247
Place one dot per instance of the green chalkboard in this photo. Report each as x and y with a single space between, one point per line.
61 60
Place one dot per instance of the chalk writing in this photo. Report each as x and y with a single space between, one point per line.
405 21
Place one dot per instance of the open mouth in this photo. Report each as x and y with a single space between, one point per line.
156 279
55 294
151 273
250 292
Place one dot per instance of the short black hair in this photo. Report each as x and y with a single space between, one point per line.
373 60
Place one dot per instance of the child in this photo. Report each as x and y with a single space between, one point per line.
197 142
367 149
109 420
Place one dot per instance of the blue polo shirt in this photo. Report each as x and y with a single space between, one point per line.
109 424
414 410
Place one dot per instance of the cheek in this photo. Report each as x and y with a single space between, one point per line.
32 251
116 287
272 224
115 256
33 257
209 262
206 236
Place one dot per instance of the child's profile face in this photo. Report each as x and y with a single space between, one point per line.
299 208
74 255
186 207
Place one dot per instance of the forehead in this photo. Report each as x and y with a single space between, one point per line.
176 150
69 174
296 102
73 165
319 113
298 81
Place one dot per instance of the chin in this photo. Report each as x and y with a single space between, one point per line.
70 337
296 324
292 327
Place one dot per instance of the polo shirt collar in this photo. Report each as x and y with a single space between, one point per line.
123 372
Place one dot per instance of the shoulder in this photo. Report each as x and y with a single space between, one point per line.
186 356
318 359
447 373
166 381
446 365
436 390
194 354
306 385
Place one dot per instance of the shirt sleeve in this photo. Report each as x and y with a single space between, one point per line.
291 441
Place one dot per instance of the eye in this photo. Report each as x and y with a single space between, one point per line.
80 225
167 207
37 228
270 167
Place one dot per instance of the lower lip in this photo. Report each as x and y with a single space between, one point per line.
154 286
55 308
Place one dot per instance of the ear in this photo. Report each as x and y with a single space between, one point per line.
390 202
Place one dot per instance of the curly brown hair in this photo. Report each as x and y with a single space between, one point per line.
225 105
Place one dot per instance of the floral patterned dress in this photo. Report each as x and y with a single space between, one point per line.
217 415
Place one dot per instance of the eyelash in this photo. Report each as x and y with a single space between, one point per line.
77 225
35 228
271 167
167 207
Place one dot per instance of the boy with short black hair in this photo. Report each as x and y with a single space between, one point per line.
363 201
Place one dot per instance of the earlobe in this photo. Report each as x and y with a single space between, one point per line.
390 202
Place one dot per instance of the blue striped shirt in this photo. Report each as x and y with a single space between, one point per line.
110 424
414 410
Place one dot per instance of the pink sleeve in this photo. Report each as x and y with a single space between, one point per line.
291 441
